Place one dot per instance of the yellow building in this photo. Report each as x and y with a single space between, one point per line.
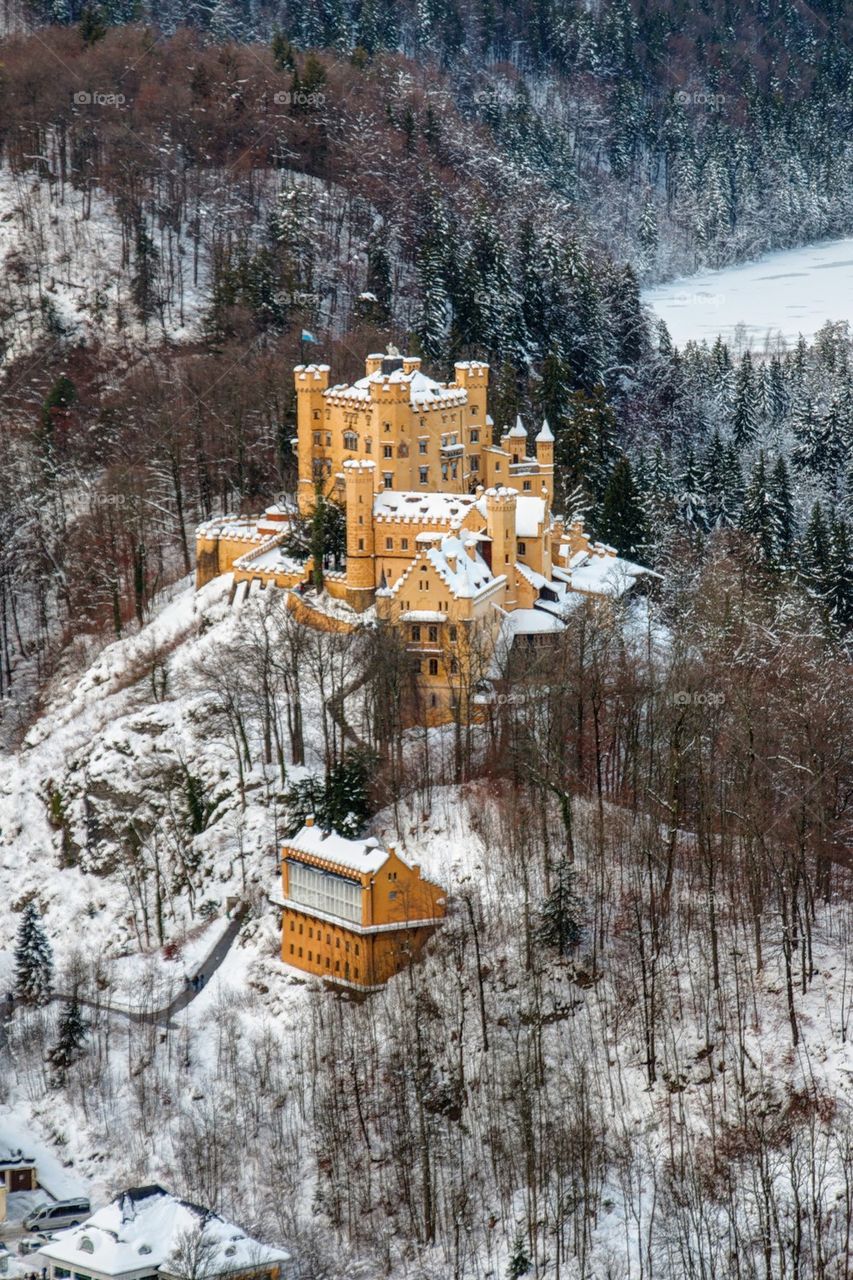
448 534
354 912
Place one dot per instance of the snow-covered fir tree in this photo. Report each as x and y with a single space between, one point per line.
33 959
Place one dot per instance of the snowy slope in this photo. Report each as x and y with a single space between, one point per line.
768 302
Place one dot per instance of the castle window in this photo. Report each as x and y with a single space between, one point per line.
454 667
310 958
433 702
389 544
310 932
423 473
291 948
368 445
328 962
388 477
300 953
361 544
317 437
350 440
475 435
522 548
527 486
475 464
433 635
416 632
328 439
453 633
316 414
387 451
422 446
386 426
423 585
404 544
497 466
357 949
433 667
473 408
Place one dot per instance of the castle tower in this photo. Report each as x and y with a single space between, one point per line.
500 526
473 377
361 571
545 457
514 442
311 381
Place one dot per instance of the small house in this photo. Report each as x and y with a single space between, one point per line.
146 1233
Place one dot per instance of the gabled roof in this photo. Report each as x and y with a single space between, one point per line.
141 1230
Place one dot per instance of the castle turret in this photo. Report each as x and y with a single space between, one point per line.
500 526
473 377
361 571
545 458
311 381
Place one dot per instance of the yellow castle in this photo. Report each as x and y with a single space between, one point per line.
449 535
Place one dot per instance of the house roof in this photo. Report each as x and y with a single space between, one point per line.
10 1158
403 504
144 1227
355 855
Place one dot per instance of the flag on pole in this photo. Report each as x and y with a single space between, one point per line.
308 337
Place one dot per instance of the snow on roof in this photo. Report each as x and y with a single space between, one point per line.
529 515
12 1158
356 855
423 390
518 432
400 504
466 577
528 622
597 573
535 579
140 1231
529 511
546 435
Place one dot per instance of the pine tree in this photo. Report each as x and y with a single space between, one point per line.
647 233
33 959
283 55
71 1037
807 451
346 800
782 510
840 577
691 501
621 521
519 1262
561 918
92 26
745 410
815 566
758 516
143 280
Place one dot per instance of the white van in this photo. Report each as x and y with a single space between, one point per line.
63 1213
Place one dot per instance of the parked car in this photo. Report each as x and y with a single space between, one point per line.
27 1246
63 1213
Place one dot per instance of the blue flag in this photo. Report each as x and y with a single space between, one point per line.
308 337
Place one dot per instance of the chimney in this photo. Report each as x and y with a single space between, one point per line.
309 821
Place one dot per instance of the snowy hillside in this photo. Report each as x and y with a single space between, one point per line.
67 270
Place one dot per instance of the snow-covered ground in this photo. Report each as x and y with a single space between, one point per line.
764 303
66 270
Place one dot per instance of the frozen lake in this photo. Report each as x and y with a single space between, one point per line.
761 303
